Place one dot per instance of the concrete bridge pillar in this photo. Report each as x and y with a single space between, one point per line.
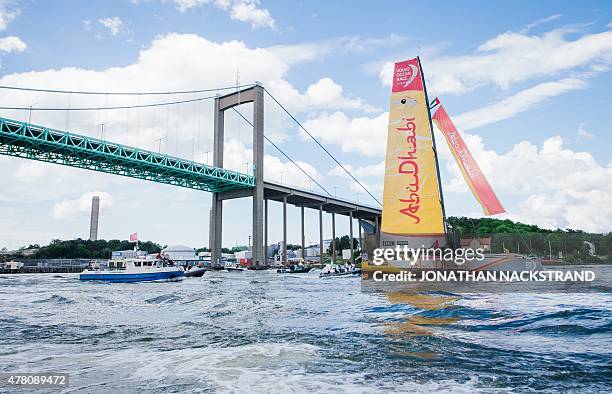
285 230
266 233
321 234
351 236
303 237
333 258
360 237
216 212
259 260
255 95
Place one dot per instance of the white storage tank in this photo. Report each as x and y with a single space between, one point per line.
180 252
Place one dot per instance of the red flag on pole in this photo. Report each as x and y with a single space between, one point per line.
134 237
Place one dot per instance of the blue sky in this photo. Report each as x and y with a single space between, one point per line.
528 83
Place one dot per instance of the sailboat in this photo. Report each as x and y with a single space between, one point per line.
413 212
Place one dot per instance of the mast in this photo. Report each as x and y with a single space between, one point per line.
435 150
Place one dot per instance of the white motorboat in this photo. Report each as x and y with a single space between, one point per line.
135 270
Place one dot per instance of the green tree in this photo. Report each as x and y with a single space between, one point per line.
79 248
342 243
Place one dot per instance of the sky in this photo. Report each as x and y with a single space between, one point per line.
527 83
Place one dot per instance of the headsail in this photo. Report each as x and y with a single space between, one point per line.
412 208
469 168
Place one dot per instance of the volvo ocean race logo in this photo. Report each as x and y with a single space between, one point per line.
405 75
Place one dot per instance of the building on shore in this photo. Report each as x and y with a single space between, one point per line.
181 255
483 243
127 254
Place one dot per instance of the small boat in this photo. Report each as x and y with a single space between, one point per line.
135 270
196 272
233 268
294 270
341 271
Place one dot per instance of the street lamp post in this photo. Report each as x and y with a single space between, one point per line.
160 140
30 113
102 130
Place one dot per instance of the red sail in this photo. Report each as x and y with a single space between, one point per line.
469 168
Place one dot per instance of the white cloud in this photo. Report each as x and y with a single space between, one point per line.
241 10
81 206
522 101
31 171
326 93
373 170
7 14
319 50
511 57
184 5
357 44
113 24
583 133
555 186
550 18
363 135
308 51
238 157
86 25
247 11
12 44
185 61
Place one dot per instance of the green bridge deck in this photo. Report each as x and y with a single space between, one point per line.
28 141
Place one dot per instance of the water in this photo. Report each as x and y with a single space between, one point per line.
264 332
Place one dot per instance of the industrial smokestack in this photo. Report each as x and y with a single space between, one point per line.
93 224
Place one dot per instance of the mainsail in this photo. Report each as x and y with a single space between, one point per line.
468 166
412 207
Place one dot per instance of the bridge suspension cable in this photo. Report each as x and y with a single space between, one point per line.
123 93
321 146
32 108
170 103
284 154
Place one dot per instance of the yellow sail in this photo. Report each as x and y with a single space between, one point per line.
412 210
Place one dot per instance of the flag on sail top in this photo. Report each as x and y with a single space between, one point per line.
134 237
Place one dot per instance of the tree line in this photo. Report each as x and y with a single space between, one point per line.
506 235
87 249
569 244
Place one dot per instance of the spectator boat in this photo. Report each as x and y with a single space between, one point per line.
135 270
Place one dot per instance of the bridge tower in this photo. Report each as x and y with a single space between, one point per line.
255 95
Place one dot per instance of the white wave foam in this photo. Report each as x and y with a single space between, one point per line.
263 367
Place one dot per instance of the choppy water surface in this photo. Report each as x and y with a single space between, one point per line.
265 332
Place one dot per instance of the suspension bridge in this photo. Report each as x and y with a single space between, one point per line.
25 140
